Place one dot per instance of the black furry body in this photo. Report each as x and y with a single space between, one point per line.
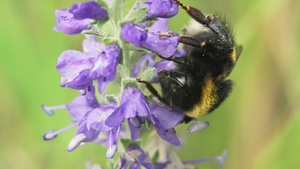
198 84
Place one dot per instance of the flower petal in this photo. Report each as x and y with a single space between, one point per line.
161 8
102 83
134 128
116 118
67 24
165 46
91 10
81 81
197 126
132 33
71 62
168 135
166 118
79 107
91 46
160 26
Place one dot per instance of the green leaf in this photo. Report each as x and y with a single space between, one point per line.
136 56
115 11
91 32
131 47
108 28
128 80
101 23
147 75
136 15
122 71
103 3
155 156
107 40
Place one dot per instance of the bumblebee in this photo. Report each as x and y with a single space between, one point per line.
198 84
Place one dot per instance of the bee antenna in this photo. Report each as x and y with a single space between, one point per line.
180 4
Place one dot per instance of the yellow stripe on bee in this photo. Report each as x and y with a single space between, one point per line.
233 55
208 99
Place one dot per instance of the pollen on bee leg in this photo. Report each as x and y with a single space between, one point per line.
76 141
197 126
49 110
51 134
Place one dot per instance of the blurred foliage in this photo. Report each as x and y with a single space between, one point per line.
258 124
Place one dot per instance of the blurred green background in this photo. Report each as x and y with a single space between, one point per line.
259 124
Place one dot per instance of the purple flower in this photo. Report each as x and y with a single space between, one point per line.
74 67
164 122
78 110
135 157
159 26
91 10
161 8
166 118
83 104
90 118
105 66
79 106
112 142
67 24
133 107
79 69
133 33
91 124
163 45
91 46
83 134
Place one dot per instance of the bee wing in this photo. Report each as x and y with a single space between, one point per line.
238 50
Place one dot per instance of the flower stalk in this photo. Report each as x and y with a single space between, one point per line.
118 48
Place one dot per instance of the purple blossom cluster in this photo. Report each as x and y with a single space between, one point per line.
78 18
105 121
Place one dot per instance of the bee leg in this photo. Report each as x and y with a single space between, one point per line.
187 40
178 60
193 12
159 104
156 94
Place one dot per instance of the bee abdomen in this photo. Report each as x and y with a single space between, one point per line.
212 95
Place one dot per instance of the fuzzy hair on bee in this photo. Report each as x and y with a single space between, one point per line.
199 84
